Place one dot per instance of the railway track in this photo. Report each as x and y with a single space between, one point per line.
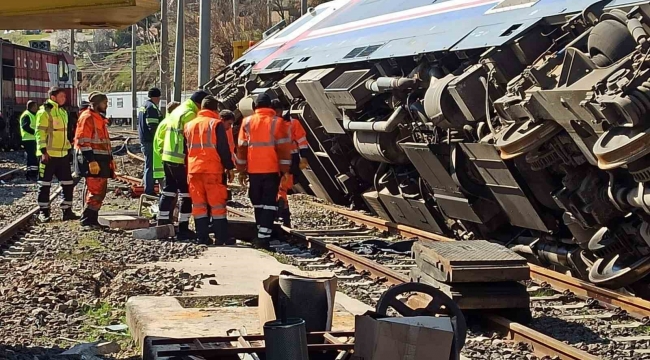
15 239
554 296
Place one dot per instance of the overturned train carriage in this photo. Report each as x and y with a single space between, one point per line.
519 121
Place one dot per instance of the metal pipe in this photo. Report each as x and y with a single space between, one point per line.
178 60
204 42
134 84
384 84
387 126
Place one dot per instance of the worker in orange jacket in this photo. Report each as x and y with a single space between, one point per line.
264 157
208 158
299 151
94 160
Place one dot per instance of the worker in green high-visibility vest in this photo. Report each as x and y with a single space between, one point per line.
27 133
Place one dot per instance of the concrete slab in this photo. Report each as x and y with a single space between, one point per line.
164 317
239 270
125 222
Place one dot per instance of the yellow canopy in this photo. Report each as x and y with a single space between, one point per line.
73 14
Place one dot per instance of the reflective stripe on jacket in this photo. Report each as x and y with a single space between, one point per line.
92 134
208 151
32 124
93 143
52 130
264 144
174 146
298 137
158 142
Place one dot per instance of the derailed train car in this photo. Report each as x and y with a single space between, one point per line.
519 121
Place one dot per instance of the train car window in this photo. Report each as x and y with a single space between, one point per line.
63 71
110 102
120 102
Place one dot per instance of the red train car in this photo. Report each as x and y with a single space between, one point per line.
28 74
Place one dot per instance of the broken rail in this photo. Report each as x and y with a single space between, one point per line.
543 345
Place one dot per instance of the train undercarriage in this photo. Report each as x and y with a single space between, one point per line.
541 144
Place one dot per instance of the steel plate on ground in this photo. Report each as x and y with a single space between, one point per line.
469 261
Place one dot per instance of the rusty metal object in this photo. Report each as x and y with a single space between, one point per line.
620 146
522 137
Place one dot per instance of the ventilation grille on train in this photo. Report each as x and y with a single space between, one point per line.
277 64
362 51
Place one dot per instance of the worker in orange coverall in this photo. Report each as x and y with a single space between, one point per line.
208 158
299 151
94 160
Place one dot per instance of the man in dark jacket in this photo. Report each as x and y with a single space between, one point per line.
149 116
27 132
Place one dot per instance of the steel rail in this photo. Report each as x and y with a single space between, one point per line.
12 172
634 306
542 345
11 229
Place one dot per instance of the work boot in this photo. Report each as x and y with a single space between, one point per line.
90 220
285 215
220 231
68 214
44 216
261 243
184 232
203 230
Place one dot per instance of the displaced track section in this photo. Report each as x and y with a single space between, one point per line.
542 345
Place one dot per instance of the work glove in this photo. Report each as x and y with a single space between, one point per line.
285 180
93 167
303 163
231 176
243 179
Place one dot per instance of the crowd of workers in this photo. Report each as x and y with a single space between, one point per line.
191 153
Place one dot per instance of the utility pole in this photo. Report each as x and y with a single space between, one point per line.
164 54
178 61
204 42
72 42
303 7
235 12
134 85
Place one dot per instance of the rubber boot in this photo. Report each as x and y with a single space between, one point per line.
203 230
221 233
286 217
184 232
68 214
90 219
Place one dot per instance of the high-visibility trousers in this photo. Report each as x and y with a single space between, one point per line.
96 192
209 195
